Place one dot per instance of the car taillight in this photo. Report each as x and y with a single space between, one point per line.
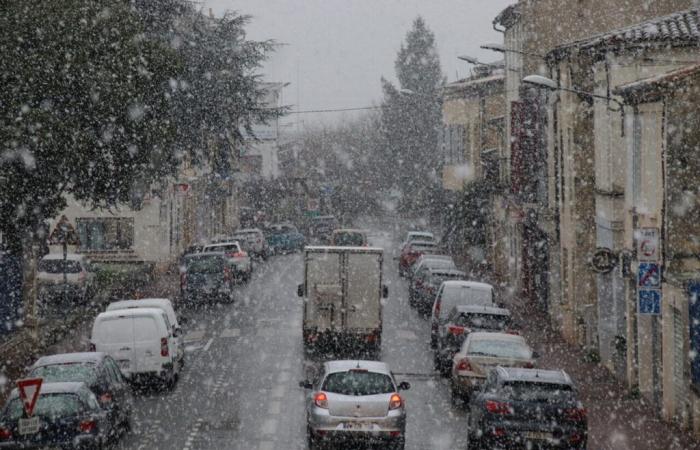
576 414
498 407
164 347
395 402
437 308
529 365
227 274
455 330
321 400
512 331
464 365
183 280
86 426
106 398
82 276
5 434
92 347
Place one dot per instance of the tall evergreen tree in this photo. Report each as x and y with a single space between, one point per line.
411 116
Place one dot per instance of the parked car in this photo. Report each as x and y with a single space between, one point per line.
253 241
353 401
141 342
209 276
453 293
527 408
66 415
423 236
347 237
167 306
322 227
479 353
425 285
285 238
80 278
100 374
411 252
460 322
242 262
432 260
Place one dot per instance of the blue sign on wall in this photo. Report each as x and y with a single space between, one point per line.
694 324
649 275
649 301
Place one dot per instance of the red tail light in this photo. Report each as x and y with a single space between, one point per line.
529 365
498 407
395 402
227 274
164 351
455 330
576 414
5 434
321 400
183 280
92 347
106 398
464 365
371 337
87 426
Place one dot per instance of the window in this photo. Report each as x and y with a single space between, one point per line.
358 382
98 234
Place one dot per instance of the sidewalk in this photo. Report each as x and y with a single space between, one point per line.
615 421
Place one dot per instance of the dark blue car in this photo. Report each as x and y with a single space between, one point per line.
284 238
66 415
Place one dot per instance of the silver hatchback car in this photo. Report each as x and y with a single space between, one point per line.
353 401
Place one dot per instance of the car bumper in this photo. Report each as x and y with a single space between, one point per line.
391 427
87 441
531 435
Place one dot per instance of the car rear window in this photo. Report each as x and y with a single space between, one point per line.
538 392
58 265
440 264
115 331
145 329
438 278
349 239
56 373
358 382
499 348
212 264
491 322
422 247
462 295
48 406
222 248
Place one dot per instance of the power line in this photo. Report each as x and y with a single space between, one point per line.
332 110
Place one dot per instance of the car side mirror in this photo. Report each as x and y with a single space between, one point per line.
300 290
404 386
306 384
535 355
385 291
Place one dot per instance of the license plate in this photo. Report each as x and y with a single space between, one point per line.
538 435
28 426
124 364
357 426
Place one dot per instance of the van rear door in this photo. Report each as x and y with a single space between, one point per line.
115 336
364 291
147 344
324 290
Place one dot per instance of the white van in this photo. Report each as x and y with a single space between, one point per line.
453 293
167 306
140 340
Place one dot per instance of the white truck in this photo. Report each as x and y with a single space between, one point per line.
343 294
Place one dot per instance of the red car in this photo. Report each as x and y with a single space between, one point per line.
411 252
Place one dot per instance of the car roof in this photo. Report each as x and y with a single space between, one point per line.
345 365
69 256
478 309
130 312
141 301
426 243
534 375
436 257
420 233
481 336
64 387
469 284
69 358
349 249
207 254
349 230
223 244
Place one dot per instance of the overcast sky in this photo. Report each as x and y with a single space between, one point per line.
337 50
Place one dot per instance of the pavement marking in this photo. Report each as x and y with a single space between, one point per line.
230 333
206 347
275 407
194 336
269 426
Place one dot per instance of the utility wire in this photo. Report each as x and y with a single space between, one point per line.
332 110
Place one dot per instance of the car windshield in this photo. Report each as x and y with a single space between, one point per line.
358 382
460 295
440 264
349 239
499 348
210 264
50 406
85 372
491 322
59 266
538 392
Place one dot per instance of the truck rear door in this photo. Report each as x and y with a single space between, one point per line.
363 301
324 291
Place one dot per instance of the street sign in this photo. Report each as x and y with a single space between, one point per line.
604 260
647 244
29 392
650 302
649 275
64 233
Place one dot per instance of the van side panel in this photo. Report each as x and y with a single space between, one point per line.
147 335
363 299
324 291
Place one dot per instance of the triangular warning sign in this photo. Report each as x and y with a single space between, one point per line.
29 392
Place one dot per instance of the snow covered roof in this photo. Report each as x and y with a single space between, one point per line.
475 85
681 28
651 88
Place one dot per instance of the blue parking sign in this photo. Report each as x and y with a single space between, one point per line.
649 301
649 275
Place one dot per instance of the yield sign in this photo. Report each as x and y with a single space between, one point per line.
29 392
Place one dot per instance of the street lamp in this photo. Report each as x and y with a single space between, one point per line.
549 84
476 62
500 48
